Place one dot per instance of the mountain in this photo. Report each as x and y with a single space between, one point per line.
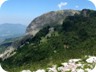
11 30
54 44
52 18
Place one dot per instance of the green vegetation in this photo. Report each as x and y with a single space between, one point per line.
4 46
75 38
6 43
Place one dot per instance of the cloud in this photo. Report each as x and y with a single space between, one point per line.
62 4
77 6
1 2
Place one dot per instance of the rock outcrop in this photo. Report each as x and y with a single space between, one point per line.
49 19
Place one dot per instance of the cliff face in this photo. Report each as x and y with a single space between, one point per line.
49 19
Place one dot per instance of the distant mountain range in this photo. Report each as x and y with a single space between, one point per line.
11 30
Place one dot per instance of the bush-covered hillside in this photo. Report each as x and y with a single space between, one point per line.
75 38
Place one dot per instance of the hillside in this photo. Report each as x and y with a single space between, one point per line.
53 18
74 38
7 43
9 33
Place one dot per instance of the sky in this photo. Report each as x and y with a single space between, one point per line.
24 11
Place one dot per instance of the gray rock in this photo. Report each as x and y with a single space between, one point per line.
49 19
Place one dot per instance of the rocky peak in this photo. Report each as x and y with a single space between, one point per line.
85 12
88 13
49 19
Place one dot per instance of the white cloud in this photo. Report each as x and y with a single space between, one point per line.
77 6
2 1
62 4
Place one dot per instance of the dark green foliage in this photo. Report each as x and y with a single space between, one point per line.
41 33
82 34
67 25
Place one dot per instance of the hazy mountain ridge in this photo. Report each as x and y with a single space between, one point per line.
11 30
